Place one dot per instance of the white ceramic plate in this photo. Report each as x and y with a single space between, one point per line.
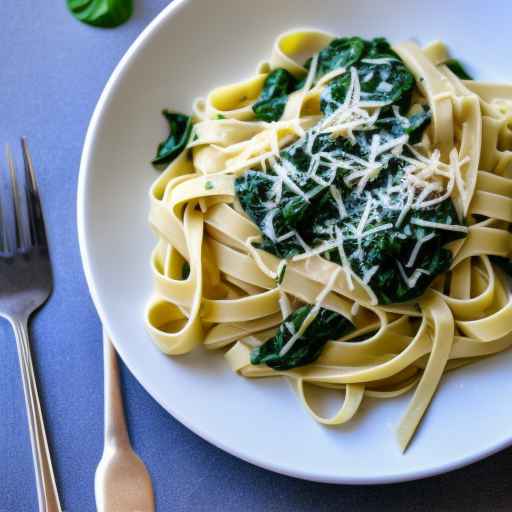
189 48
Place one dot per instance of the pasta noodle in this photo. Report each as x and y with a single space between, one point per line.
236 295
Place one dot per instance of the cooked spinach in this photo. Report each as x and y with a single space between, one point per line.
388 249
382 75
101 13
185 270
327 325
413 126
340 53
316 220
180 127
504 263
387 81
458 69
274 95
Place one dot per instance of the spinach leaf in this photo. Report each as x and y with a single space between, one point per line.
417 124
185 270
382 75
293 211
253 190
458 69
379 48
414 126
340 53
327 325
504 263
387 81
101 13
180 127
274 95
389 250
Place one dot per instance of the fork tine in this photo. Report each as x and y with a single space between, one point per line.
18 218
35 213
5 246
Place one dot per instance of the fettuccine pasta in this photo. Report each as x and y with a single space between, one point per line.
339 219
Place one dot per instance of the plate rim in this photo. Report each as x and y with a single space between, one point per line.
84 169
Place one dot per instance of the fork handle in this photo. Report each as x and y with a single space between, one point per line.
47 495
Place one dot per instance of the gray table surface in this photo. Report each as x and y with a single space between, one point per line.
52 70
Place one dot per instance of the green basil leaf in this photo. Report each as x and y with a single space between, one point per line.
101 13
327 325
180 127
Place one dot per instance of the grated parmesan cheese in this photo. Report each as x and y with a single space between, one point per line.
311 73
413 279
286 236
382 60
439 225
364 217
382 227
284 305
268 224
416 249
344 260
336 194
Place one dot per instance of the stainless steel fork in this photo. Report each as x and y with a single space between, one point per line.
25 285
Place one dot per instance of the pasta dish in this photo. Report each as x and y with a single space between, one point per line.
341 219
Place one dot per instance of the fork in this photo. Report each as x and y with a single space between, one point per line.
25 285
122 482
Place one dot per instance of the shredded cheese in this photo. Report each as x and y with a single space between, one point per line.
416 249
413 279
286 236
370 273
336 195
311 74
364 217
268 224
344 260
281 172
382 227
439 225
284 305
407 207
382 60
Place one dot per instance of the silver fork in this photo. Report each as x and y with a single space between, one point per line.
25 285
